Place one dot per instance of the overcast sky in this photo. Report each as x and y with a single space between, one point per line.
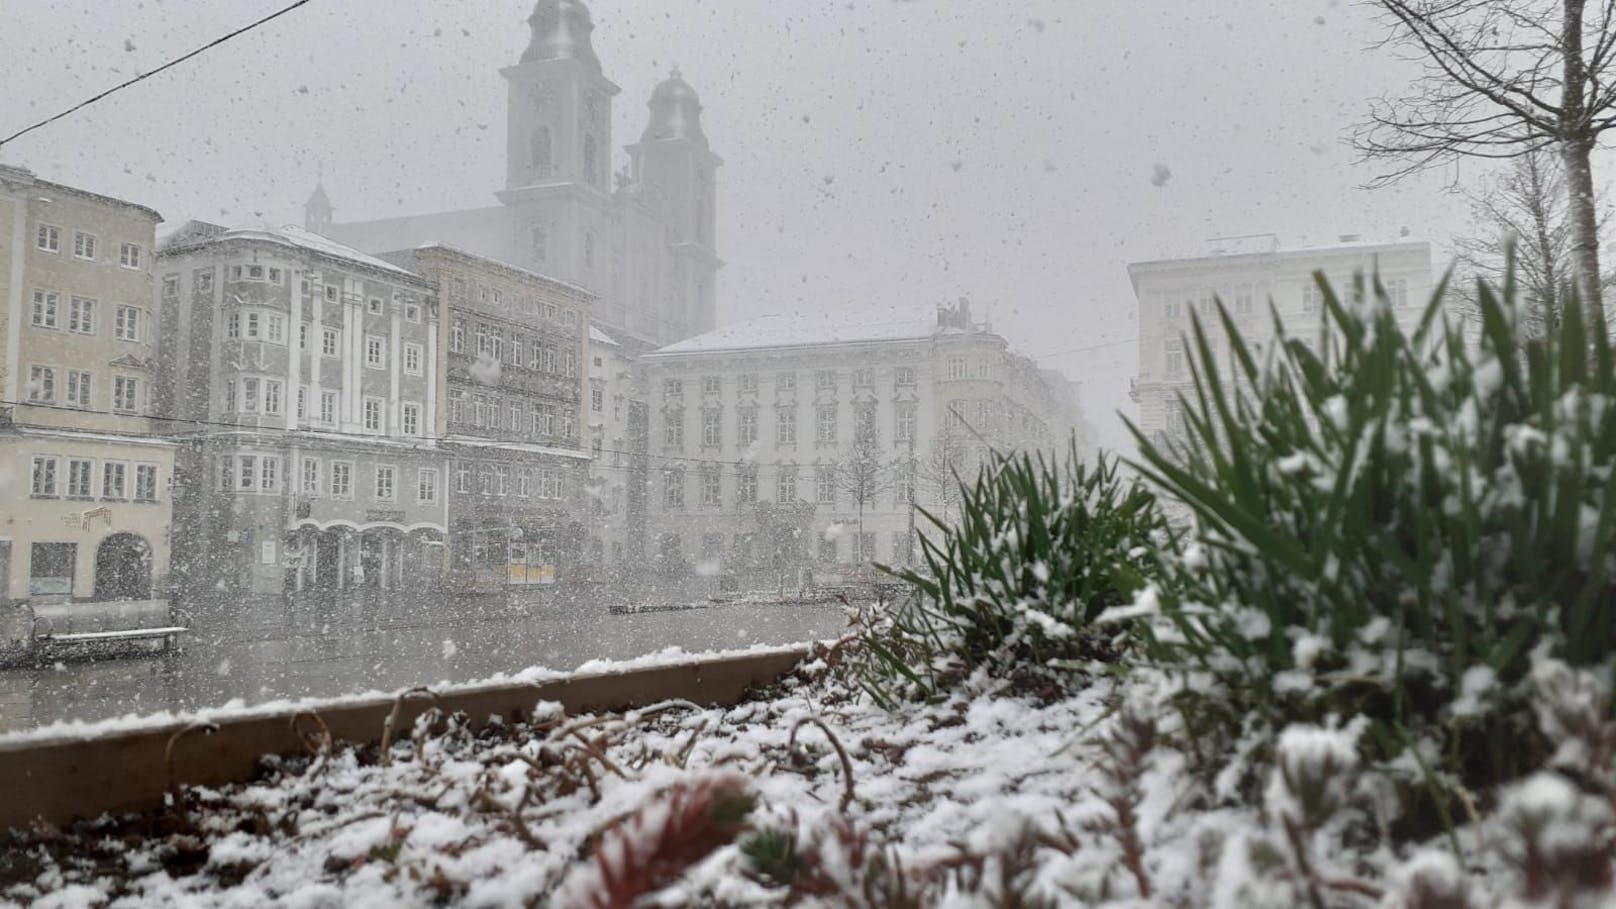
878 153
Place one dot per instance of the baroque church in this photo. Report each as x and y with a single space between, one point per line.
641 239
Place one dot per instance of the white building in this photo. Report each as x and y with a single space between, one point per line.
616 413
1246 274
793 449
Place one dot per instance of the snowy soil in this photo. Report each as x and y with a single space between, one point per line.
989 799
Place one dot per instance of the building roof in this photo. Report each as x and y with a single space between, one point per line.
596 336
479 259
560 31
815 329
675 112
23 175
1236 255
196 233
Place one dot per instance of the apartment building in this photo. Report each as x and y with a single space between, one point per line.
84 477
618 425
790 450
1248 274
514 431
302 377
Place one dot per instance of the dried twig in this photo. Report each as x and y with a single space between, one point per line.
393 717
168 766
847 763
317 745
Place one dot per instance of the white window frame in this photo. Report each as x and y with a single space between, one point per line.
48 238
129 255
339 478
426 486
388 491
81 315
126 322
84 244
379 411
375 352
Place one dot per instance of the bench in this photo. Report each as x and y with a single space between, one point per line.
132 634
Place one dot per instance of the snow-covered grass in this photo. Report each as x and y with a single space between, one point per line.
807 795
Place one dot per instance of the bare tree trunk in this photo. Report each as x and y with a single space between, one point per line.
1584 224
1576 144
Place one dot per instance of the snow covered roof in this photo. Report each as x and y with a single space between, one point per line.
815 329
596 336
290 235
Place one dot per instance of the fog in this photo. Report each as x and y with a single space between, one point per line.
877 154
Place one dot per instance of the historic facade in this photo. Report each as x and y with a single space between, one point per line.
513 428
793 450
302 378
642 239
1247 274
84 476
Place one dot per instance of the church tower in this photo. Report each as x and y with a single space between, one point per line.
675 169
558 150
317 211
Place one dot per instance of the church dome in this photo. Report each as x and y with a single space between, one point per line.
675 112
561 32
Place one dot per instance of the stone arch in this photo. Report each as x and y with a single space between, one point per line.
123 568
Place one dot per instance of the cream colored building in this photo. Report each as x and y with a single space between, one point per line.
84 476
793 450
1246 274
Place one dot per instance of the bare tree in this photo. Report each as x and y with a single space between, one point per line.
1503 78
942 469
1525 209
863 475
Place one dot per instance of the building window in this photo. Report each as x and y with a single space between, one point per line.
1312 298
126 323
311 476
78 388
502 479
145 482
384 484
463 478
785 382
904 421
341 480
710 385
41 384
44 476
46 303
426 486
412 359
711 427
673 428
247 472
230 395
269 474
673 388
272 396
83 245
113 476
328 342
485 480
597 400
746 486
328 407
412 312
48 238
863 378
904 377
825 424
375 306
1173 359
373 415
129 257
253 320
1396 290
746 426
78 479
785 425
125 394
50 568
412 419
711 486
825 380
747 383
302 402
375 352
957 368
673 490
81 315
825 485
785 488
202 278
954 417
275 328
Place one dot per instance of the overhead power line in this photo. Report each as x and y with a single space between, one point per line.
146 75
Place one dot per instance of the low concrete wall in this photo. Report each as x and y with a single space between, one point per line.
101 615
59 777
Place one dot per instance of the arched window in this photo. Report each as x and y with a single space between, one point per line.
539 153
591 172
540 241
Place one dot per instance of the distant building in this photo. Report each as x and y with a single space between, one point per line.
788 450
302 377
84 477
619 460
642 240
1246 274
513 365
